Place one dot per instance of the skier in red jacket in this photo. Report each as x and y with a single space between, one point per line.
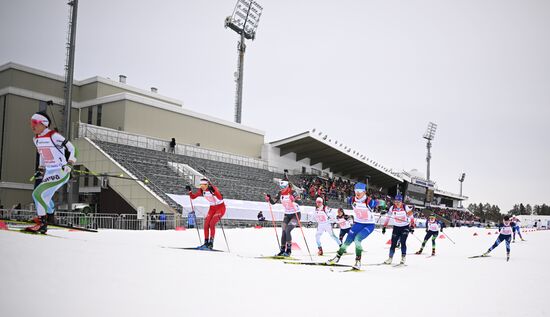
215 212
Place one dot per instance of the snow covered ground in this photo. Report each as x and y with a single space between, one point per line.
134 273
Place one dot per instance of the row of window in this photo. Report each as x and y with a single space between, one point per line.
91 112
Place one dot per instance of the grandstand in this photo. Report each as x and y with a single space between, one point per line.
236 182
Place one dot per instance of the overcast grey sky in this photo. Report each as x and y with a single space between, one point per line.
368 73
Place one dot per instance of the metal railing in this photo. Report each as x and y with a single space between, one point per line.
126 221
147 142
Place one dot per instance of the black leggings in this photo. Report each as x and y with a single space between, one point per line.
399 234
289 222
429 234
343 232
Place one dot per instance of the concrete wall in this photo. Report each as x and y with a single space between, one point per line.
10 197
87 92
18 150
111 88
32 82
112 116
165 124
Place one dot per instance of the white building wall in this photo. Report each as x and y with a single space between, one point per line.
529 221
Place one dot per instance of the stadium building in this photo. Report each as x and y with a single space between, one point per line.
123 136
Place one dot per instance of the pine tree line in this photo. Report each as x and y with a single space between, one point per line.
521 209
492 212
486 211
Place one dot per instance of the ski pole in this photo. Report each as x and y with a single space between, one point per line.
196 222
303 235
273 221
377 221
448 237
416 238
223 231
120 176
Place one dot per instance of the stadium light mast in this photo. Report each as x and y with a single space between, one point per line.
461 180
244 21
68 88
429 136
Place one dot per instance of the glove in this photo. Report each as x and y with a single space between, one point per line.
211 189
441 229
67 168
188 188
383 230
39 174
411 230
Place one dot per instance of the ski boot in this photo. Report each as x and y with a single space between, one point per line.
281 252
205 245
334 260
433 252
50 218
507 256
210 245
403 257
40 226
388 261
288 250
357 265
522 239
486 253
320 252
419 251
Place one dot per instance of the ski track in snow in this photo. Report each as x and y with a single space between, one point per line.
135 273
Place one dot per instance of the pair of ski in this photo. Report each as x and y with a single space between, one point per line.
349 268
478 256
195 248
485 256
427 256
34 233
61 226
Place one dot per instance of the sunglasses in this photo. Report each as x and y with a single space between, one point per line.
35 122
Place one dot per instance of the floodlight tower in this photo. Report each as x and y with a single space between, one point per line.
68 88
244 21
429 136
461 180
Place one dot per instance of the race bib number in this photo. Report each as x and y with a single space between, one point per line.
46 155
400 217
209 197
361 211
287 202
506 230
321 217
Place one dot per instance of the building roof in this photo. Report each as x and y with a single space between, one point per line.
338 158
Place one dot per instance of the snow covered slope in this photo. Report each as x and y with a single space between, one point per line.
136 273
